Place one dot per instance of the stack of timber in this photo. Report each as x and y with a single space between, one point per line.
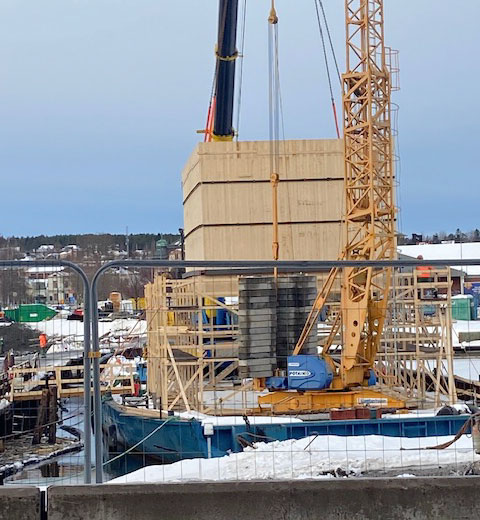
272 313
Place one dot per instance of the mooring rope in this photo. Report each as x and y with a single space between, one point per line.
126 452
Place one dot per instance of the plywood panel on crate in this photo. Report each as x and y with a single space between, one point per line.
253 242
227 200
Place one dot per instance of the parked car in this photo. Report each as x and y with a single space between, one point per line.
77 315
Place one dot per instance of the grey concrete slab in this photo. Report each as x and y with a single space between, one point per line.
251 363
20 503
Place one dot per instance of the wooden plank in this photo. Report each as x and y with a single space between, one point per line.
52 414
41 417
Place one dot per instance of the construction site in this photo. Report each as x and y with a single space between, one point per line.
317 200
291 334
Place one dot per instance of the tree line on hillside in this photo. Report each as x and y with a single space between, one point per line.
441 236
101 242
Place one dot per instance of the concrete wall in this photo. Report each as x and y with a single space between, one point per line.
19 503
382 499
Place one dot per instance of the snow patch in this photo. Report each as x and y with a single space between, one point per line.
312 457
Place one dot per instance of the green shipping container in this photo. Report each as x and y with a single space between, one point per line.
462 308
30 313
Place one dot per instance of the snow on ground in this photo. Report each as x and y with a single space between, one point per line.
233 420
116 366
60 326
226 398
312 457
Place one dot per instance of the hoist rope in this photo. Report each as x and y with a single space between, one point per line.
327 68
274 123
332 48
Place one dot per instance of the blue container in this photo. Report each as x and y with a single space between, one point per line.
308 373
142 372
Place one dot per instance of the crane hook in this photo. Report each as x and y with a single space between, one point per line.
273 18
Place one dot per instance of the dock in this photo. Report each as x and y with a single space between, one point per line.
29 383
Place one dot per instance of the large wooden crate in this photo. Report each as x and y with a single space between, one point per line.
227 199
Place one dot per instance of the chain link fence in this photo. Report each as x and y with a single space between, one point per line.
178 371
45 339
217 398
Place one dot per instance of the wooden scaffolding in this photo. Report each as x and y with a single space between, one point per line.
192 351
416 354
191 346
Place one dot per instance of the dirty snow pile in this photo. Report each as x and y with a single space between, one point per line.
312 457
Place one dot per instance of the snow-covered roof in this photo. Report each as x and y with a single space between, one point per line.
45 269
459 251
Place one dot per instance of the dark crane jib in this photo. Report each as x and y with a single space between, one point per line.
226 54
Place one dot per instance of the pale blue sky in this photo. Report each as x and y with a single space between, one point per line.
100 101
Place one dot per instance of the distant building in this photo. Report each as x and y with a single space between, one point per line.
59 290
46 248
70 251
49 284
175 254
449 251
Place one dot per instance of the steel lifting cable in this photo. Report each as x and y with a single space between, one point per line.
332 48
327 68
274 108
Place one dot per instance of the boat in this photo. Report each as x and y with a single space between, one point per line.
170 439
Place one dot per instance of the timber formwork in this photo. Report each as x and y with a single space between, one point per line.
193 358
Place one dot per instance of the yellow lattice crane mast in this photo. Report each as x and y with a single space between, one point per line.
370 210
369 227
